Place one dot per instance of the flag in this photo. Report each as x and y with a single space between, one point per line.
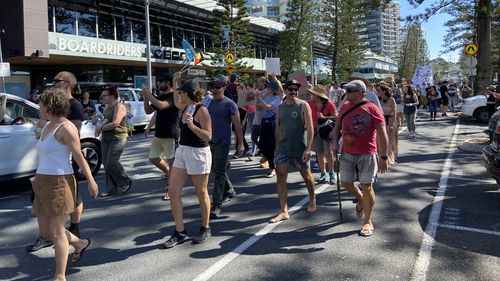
198 56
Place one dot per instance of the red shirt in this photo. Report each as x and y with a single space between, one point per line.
328 109
358 128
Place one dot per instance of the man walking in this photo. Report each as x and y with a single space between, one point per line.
360 122
223 112
294 135
166 124
66 81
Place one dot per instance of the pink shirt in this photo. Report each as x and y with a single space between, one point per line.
328 110
358 128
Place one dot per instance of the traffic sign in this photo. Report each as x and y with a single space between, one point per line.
4 69
471 49
230 69
230 57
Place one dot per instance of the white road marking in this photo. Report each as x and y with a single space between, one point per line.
428 239
470 179
464 228
211 271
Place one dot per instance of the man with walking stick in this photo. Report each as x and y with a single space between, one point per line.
359 123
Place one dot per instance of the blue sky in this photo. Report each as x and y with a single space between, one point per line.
434 29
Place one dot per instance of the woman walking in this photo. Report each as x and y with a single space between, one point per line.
267 106
410 102
54 184
432 97
114 138
192 158
389 109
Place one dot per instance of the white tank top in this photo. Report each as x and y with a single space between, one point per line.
54 158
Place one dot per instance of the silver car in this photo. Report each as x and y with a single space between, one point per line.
18 151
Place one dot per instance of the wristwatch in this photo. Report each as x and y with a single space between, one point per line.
383 157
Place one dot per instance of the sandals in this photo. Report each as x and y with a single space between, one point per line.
366 232
77 255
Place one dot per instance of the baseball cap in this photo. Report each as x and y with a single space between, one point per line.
292 82
219 81
234 76
355 85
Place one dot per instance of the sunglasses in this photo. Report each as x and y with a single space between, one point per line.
293 89
55 81
217 87
351 91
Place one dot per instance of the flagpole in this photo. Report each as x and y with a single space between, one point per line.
148 46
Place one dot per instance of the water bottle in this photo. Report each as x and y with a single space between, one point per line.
190 110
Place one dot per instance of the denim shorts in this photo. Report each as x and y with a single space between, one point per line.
362 167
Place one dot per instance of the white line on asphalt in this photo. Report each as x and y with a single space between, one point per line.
464 228
211 271
469 179
424 254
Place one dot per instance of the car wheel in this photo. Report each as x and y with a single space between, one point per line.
482 115
92 153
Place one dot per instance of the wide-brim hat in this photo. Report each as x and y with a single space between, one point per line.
318 90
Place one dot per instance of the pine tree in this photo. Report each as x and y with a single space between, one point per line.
295 41
233 15
414 50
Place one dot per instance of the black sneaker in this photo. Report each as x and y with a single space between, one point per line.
215 211
39 244
176 238
228 196
203 236
74 231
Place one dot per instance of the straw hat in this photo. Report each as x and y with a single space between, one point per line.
318 90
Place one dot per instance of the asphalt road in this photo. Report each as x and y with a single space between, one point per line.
437 217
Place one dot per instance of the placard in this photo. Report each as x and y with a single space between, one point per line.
273 66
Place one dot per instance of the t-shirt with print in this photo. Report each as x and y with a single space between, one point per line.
167 120
221 112
328 109
358 128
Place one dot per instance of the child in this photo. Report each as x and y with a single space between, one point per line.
129 121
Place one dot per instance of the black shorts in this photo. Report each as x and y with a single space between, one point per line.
444 101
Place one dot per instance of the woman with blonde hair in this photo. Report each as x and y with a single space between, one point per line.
54 184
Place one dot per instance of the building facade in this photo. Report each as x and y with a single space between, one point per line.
271 9
105 40
375 66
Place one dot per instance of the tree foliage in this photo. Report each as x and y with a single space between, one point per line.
295 41
414 50
342 24
232 14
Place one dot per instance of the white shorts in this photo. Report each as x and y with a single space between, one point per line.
195 160
399 108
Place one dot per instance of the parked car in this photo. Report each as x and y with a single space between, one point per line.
18 142
133 96
491 155
476 107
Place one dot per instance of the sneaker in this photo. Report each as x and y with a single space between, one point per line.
215 211
251 156
39 244
205 233
322 178
228 196
333 178
315 166
74 231
176 238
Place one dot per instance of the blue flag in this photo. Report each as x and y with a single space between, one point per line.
189 50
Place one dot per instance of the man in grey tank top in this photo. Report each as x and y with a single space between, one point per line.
294 135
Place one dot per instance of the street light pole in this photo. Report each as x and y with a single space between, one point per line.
148 46
1 58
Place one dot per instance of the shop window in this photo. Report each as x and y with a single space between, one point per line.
208 42
178 36
154 35
189 36
199 42
106 27
122 29
51 22
87 24
65 21
166 36
138 32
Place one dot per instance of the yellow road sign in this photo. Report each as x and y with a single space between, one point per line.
230 69
230 57
471 49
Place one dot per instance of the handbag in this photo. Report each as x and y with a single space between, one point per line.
325 129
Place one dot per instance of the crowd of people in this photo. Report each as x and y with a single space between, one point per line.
358 120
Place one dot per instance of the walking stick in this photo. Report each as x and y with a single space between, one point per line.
338 185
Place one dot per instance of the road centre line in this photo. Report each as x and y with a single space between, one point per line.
464 228
424 255
470 179
211 271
